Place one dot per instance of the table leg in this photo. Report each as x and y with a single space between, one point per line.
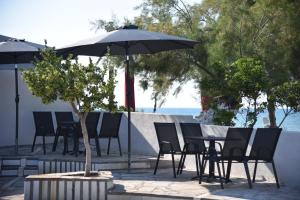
65 143
75 141
211 152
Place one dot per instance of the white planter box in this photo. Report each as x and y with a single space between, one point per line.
67 186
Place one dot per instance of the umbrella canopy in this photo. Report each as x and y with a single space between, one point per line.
14 51
126 41
13 54
129 38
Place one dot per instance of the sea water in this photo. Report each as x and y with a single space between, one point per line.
291 123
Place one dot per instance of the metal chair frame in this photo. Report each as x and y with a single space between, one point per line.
168 142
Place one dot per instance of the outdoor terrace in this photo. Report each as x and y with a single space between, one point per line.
139 183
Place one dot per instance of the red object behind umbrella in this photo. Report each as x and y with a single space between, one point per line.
132 95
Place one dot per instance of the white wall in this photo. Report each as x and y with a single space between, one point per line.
143 136
28 103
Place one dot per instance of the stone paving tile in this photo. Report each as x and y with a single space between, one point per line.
163 184
259 192
11 188
143 182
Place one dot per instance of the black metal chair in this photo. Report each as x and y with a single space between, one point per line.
65 127
191 129
110 128
91 125
91 122
263 148
43 127
234 149
168 142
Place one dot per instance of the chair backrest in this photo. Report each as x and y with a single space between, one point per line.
264 144
166 132
91 122
192 129
63 117
236 143
110 125
43 123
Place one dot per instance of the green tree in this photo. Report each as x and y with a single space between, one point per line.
176 18
287 97
84 87
225 100
160 86
227 31
249 78
262 29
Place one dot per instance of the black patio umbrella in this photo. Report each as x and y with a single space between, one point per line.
127 40
16 54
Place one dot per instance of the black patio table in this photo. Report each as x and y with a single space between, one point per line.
74 126
212 153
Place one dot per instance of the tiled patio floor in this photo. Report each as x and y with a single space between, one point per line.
140 184
11 188
143 184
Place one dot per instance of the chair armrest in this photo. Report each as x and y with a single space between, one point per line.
220 146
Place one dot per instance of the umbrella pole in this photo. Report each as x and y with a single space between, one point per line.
128 105
17 109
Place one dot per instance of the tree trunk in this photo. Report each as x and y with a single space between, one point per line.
271 111
88 154
255 114
111 75
155 103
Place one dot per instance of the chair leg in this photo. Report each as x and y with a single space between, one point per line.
275 174
182 164
65 144
108 147
200 161
32 148
181 159
119 146
220 174
254 173
248 174
173 163
197 164
98 146
44 145
204 162
156 165
201 165
228 171
55 142
223 168
76 143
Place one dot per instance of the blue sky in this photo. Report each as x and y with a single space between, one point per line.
63 22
